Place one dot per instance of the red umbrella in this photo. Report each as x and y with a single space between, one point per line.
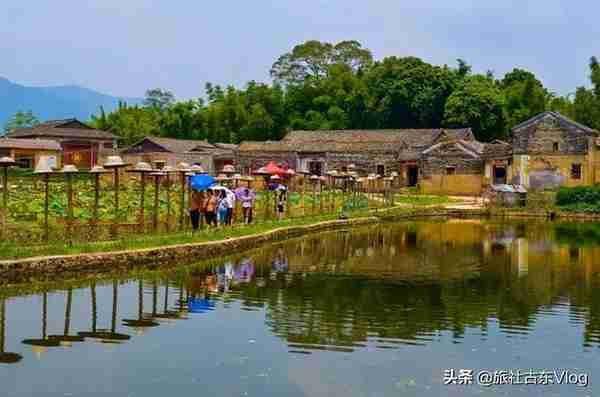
273 169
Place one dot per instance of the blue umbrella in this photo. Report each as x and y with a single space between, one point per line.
201 182
199 305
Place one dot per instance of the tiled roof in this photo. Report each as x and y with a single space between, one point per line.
356 140
497 150
558 117
61 129
178 145
32 144
473 148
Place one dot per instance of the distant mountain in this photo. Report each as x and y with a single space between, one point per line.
54 102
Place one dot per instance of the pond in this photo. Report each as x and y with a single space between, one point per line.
411 309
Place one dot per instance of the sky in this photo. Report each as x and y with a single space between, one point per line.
123 47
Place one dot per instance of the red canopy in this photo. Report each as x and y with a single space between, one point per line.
273 169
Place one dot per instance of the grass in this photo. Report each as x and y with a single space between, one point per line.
10 250
422 200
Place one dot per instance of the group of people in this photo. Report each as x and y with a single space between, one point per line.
216 207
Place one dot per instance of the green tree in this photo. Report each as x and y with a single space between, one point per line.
524 96
21 120
311 60
477 103
408 92
159 99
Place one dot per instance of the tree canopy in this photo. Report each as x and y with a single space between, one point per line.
21 120
321 85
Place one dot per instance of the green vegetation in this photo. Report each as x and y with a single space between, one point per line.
579 199
422 200
11 250
20 120
319 85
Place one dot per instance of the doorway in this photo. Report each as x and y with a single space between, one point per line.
499 175
413 175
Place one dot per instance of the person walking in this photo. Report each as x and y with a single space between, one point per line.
210 210
230 205
222 208
196 206
281 204
247 205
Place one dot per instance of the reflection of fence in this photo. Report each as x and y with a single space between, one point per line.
90 215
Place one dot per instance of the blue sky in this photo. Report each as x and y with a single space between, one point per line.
123 47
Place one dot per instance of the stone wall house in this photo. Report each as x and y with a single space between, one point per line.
222 154
453 166
171 151
81 144
551 150
371 151
498 163
28 152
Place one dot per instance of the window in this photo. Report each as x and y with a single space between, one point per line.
555 147
450 170
381 169
315 168
108 145
575 171
24 161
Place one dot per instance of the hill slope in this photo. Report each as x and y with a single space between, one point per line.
54 102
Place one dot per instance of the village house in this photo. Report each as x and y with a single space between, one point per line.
550 150
27 152
545 152
82 145
370 151
172 151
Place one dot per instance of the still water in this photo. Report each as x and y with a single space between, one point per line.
394 310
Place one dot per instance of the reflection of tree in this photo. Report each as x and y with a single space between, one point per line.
5 357
65 338
44 342
105 336
403 284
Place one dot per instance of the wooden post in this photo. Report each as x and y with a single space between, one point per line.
46 200
116 218
182 202
69 178
4 214
303 197
320 197
142 201
314 203
168 193
96 197
156 192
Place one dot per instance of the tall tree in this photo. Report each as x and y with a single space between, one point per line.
21 120
159 99
524 96
408 92
477 103
312 60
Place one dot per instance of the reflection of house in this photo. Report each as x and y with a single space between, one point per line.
550 150
27 152
173 151
81 144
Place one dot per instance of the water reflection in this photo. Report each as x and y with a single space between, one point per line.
6 357
378 287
